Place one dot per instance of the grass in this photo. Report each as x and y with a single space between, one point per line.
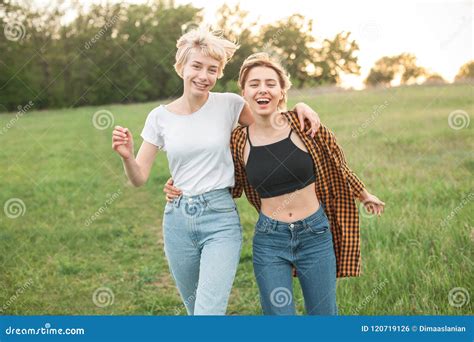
54 256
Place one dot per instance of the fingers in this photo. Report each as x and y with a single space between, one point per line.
172 191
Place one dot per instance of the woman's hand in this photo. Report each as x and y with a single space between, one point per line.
122 142
305 112
171 191
371 203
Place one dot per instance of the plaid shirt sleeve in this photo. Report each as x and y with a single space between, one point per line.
354 182
238 188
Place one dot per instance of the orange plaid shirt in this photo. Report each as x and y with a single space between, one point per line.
336 187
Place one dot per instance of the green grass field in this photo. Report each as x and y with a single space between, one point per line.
417 259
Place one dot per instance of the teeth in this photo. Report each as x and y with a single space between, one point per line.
263 101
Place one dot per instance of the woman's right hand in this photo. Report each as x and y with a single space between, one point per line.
122 142
171 191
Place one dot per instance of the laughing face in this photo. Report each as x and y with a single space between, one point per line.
200 74
262 90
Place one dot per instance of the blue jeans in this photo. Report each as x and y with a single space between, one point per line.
306 244
203 239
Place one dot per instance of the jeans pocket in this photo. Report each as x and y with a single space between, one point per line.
222 205
262 226
319 227
168 207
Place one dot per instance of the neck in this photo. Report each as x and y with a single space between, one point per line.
266 123
191 103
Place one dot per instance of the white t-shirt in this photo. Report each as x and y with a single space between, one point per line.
197 145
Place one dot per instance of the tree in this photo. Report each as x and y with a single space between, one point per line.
466 71
401 67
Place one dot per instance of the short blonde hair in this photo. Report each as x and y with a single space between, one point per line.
262 59
209 43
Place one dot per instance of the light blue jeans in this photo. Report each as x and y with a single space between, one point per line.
203 240
307 244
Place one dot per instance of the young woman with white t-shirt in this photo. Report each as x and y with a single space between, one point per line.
201 227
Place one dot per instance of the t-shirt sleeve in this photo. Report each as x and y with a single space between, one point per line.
236 105
151 132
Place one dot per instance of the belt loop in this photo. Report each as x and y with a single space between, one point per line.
178 200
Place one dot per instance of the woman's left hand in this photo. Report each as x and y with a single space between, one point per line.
305 112
171 191
372 203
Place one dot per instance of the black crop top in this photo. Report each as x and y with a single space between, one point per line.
278 168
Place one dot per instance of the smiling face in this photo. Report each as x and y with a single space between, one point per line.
262 90
200 74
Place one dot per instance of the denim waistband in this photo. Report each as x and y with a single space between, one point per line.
202 198
316 218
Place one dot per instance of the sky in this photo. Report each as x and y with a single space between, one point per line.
439 33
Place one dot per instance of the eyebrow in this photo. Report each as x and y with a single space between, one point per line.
268 79
211 66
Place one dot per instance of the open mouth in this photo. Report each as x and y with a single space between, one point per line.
263 101
200 85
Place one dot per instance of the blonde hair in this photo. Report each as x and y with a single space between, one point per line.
209 43
262 59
